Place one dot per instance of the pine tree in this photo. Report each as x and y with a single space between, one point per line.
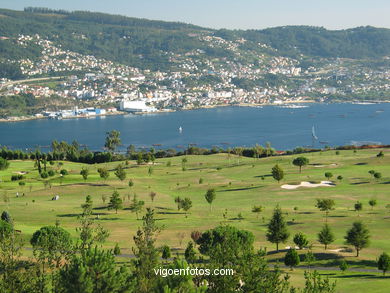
115 202
277 228
325 236
277 173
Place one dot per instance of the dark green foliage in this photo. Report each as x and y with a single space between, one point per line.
225 243
115 202
325 205
325 236
17 177
358 236
146 252
165 252
103 173
94 271
4 164
328 175
384 262
277 228
117 250
210 196
372 202
358 206
84 173
300 240
277 173
190 253
343 265
291 259
120 172
51 173
5 216
112 140
64 172
315 283
300 162
51 245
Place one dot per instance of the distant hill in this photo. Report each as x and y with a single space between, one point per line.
147 44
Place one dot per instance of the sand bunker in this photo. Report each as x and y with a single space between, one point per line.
308 184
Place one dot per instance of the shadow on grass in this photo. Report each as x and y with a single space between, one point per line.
259 176
366 276
359 183
86 184
241 189
305 213
361 164
387 182
292 223
170 213
68 215
337 216
109 219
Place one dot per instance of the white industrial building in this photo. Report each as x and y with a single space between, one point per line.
135 106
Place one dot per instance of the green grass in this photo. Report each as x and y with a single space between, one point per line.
239 187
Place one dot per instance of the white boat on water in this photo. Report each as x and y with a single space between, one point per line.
180 129
293 106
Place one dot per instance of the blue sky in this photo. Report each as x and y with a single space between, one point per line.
239 14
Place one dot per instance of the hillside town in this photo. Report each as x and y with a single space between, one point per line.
196 81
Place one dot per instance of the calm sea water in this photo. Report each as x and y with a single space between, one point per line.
285 128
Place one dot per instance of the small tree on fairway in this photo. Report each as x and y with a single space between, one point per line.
150 171
300 162
277 173
210 196
120 172
84 172
325 236
152 195
186 204
358 236
257 209
165 252
380 154
189 253
291 258
136 205
325 205
178 201
300 240
115 202
277 229
328 175
372 202
131 183
358 206
339 178
103 173
343 265
377 175
372 172
117 250
384 262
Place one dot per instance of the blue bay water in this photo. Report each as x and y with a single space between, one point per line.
285 128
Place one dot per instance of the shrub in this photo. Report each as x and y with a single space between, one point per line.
64 172
51 173
44 175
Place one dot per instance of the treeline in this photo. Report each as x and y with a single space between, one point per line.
62 265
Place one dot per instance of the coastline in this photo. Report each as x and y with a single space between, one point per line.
29 118
257 105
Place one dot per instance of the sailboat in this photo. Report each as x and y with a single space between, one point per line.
313 135
180 129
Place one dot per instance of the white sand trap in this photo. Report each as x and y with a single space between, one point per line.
308 184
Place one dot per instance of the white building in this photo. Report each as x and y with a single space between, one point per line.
135 106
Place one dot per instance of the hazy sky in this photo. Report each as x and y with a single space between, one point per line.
243 14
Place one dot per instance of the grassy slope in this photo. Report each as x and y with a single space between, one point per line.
246 189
